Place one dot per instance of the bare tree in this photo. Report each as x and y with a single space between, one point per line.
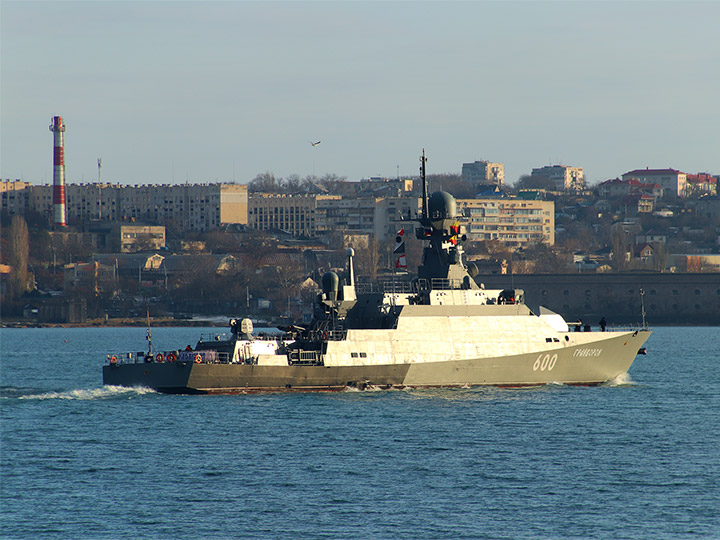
619 246
265 183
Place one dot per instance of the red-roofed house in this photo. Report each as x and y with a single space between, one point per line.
701 184
674 183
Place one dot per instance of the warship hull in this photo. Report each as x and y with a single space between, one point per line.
588 363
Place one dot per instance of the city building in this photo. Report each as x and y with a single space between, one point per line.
313 215
484 172
674 183
295 214
514 222
621 188
192 207
564 178
12 185
701 184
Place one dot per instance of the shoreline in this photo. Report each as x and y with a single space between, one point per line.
115 323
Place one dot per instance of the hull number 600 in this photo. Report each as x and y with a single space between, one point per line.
545 362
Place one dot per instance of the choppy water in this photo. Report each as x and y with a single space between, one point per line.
637 459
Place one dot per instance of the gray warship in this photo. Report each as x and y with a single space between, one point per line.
443 329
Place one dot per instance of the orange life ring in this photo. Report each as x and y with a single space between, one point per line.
113 360
198 358
159 357
171 357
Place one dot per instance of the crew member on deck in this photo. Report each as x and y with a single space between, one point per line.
603 324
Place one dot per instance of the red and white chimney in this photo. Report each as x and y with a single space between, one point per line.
58 128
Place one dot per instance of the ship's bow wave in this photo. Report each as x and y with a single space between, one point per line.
79 394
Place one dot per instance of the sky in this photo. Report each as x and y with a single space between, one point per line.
177 91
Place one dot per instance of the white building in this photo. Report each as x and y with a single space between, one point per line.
565 178
484 172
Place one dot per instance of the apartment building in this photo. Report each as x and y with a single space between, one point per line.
514 222
564 178
295 214
484 172
313 215
193 207
379 216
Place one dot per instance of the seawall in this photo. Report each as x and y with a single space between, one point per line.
677 299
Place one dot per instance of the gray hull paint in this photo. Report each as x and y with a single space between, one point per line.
588 364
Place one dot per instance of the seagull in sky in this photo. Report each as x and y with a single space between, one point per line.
314 143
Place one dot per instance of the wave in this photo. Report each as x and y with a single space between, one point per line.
80 394
623 379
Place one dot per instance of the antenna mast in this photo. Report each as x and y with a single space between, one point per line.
423 160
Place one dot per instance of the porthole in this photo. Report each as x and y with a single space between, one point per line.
675 292
566 292
545 293
697 291
587 292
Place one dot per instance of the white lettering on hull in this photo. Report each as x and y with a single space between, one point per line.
587 352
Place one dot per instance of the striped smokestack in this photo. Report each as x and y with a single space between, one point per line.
58 128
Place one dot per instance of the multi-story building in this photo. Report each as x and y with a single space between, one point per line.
295 214
193 207
564 178
313 215
379 216
12 185
514 222
674 182
484 172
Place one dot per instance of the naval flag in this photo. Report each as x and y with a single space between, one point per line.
399 249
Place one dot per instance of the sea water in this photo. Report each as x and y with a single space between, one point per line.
637 458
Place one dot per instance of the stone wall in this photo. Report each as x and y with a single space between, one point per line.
676 299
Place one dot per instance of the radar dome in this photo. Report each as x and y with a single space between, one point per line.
442 205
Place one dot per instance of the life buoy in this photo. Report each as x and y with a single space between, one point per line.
113 360
159 357
324 336
198 358
171 357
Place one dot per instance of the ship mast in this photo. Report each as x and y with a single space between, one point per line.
423 161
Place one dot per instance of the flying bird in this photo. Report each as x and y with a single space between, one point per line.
314 143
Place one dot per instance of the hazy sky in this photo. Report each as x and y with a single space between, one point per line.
170 91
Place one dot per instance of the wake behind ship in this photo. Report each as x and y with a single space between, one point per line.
442 330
